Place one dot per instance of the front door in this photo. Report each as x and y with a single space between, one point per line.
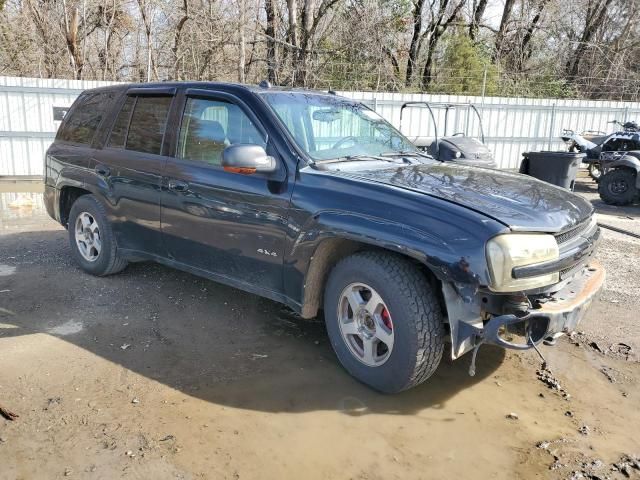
228 224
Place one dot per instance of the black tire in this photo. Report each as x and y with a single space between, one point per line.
108 261
417 320
595 171
618 187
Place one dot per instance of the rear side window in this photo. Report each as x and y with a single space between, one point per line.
83 121
140 125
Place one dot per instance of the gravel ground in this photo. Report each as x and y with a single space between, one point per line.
154 373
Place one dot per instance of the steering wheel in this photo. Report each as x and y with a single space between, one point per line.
458 134
339 143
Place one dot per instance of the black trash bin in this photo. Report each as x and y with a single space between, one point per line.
559 168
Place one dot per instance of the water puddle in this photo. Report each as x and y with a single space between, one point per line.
7 270
69 328
20 209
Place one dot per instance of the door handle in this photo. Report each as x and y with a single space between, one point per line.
102 170
178 186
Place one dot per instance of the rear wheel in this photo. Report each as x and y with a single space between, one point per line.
91 238
618 187
384 321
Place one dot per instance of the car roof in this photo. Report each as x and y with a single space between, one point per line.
206 85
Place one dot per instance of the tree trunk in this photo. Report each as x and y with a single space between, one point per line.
292 37
427 72
73 42
176 39
594 20
436 31
528 36
476 18
272 61
241 41
414 46
146 22
506 16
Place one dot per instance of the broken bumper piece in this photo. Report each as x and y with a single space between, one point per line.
559 314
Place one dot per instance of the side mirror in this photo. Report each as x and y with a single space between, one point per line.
247 159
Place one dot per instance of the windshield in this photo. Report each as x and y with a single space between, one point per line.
328 127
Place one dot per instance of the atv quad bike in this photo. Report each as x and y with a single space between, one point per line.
595 143
458 147
620 181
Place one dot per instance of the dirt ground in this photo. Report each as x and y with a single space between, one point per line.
155 373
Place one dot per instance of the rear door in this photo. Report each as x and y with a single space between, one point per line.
229 224
130 165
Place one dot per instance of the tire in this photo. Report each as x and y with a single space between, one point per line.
618 187
595 171
106 260
414 317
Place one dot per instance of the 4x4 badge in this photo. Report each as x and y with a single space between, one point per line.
267 252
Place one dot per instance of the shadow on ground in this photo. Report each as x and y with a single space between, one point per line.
207 340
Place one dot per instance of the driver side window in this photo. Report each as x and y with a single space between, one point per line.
210 126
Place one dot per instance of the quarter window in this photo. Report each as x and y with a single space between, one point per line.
209 126
83 122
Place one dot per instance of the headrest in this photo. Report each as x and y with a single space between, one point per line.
210 130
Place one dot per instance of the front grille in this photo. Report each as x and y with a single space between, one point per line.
590 233
564 237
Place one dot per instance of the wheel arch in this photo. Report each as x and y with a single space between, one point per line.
74 183
68 195
331 250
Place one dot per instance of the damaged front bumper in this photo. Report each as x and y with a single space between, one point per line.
546 316
559 314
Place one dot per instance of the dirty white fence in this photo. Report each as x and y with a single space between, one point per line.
511 125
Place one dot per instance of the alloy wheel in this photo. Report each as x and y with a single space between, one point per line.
87 233
365 324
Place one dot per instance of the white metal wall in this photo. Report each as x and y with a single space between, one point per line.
26 119
511 125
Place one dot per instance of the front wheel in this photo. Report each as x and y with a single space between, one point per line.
91 238
618 187
384 321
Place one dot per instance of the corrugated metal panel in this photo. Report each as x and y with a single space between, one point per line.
511 125
26 119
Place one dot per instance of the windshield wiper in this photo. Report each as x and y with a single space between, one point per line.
357 158
406 153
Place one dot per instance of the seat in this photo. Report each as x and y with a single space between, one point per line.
206 139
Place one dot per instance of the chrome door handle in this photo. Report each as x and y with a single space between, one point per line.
178 186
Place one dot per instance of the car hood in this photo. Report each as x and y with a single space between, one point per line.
518 201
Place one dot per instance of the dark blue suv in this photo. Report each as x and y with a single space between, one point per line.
315 201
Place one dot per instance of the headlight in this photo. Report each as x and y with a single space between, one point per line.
516 250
